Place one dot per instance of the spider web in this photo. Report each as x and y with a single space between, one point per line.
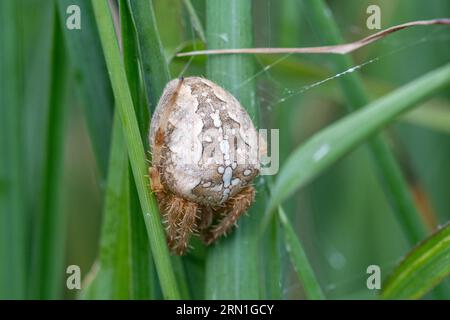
289 93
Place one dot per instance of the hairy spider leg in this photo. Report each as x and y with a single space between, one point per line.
181 216
205 219
235 207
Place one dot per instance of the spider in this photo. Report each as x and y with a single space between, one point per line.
204 159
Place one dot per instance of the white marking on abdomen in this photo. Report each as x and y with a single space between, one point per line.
227 176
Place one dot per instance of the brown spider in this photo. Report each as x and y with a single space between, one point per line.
204 158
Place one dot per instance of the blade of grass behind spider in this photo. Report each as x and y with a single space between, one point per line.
136 151
434 117
289 31
12 206
389 172
143 273
112 272
299 259
88 63
232 270
154 66
195 20
272 242
49 236
155 73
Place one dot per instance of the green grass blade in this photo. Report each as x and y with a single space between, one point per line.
136 151
144 286
154 65
132 60
34 110
433 117
181 276
88 64
12 183
195 21
50 235
272 243
422 269
144 278
327 146
389 172
232 265
155 72
113 269
300 260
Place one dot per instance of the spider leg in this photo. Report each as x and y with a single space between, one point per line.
181 221
166 208
236 206
179 215
205 218
171 216
155 183
187 227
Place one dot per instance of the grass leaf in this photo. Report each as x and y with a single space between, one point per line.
273 243
136 151
195 21
335 49
299 259
433 117
143 280
112 272
154 65
88 64
422 269
49 237
155 72
232 270
12 183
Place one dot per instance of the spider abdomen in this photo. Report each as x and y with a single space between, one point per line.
209 147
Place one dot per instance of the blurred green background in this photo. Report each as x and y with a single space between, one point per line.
342 217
